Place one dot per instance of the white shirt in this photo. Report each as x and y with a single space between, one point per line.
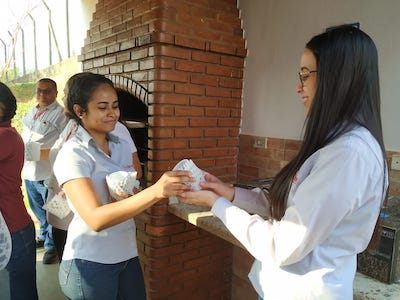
45 129
53 187
332 209
121 131
80 157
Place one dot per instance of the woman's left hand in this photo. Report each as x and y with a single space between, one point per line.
201 198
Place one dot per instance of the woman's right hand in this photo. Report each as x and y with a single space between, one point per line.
172 183
214 184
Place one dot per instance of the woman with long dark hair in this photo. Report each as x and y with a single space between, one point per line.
323 206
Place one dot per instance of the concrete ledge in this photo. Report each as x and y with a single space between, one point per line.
204 219
365 288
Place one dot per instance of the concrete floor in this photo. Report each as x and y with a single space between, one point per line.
47 280
46 276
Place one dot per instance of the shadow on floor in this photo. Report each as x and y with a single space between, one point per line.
47 280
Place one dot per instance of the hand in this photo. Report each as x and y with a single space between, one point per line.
121 195
212 183
201 198
137 190
172 183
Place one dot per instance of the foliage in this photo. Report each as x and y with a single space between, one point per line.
22 110
10 74
24 92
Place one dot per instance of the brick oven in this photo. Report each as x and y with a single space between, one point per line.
187 59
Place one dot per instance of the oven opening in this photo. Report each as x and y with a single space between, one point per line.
134 115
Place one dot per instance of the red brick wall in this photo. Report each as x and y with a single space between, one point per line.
189 54
256 163
241 286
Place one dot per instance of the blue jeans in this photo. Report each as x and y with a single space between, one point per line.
86 280
22 265
37 195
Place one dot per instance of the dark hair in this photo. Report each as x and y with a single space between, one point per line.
49 80
347 95
81 90
67 112
8 102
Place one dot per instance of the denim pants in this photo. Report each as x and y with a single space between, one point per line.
86 280
22 265
37 195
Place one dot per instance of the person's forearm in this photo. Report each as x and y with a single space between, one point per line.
111 214
44 153
101 216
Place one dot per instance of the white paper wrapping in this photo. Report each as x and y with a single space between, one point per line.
121 182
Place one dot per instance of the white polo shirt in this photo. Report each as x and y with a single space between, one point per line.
332 209
45 129
80 157
121 131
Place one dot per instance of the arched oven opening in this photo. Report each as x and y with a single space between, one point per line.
134 114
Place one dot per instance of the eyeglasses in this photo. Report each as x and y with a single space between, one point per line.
44 92
304 75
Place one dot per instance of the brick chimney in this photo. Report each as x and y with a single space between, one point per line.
189 55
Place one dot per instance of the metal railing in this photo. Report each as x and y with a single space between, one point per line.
20 49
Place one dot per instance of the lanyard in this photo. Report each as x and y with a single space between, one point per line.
38 113
72 131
